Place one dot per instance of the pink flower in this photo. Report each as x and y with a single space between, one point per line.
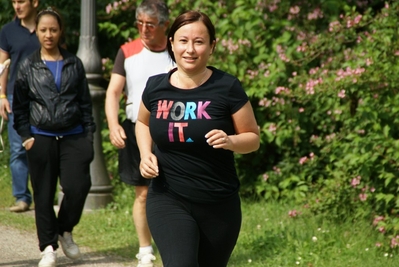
395 241
378 244
357 19
302 47
377 220
277 170
108 8
363 197
317 13
264 102
230 45
273 128
294 10
303 160
301 110
313 71
355 181
335 25
281 89
273 7
293 213
265 177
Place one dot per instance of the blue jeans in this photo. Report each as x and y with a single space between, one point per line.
18 162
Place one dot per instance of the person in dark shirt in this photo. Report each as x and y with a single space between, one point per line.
53 115
197 116
17 40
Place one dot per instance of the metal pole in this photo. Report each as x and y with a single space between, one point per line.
100 192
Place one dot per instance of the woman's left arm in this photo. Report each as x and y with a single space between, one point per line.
245 140
85 100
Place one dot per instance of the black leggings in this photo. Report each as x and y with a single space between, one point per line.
193 234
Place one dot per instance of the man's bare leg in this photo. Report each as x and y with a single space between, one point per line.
140 217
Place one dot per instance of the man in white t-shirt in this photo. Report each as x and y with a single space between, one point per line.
135 62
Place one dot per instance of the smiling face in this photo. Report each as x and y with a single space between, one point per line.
48 32
192 47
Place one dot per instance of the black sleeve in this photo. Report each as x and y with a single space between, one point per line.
237 96
21 102
119 64
84 99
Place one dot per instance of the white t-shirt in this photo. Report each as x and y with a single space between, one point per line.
139 64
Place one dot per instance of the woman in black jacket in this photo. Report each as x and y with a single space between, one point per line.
53 115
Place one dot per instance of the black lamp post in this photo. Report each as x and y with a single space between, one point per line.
100 192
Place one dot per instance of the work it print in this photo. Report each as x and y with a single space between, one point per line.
180 115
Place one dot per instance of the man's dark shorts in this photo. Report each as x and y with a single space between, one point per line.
129 158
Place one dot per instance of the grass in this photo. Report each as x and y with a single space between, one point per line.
269 236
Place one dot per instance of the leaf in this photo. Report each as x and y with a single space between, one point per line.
386 130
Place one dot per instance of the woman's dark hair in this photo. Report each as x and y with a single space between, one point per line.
53 12
189 17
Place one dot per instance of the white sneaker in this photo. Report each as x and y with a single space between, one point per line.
145 260
71 250
49 257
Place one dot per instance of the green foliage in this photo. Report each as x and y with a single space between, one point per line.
329 120
322 79
7 12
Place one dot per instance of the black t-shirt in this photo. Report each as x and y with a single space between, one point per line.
179 120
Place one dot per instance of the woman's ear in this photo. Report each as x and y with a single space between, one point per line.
171 42
35 3
213 47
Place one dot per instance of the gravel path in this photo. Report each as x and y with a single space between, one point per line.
20 249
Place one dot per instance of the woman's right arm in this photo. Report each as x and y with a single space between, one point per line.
21 102
149 162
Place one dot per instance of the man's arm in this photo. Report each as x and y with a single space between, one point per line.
117 135
4 66
4 104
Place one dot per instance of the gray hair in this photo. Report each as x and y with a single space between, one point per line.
155 9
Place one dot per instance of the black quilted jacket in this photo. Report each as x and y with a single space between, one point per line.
37 101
